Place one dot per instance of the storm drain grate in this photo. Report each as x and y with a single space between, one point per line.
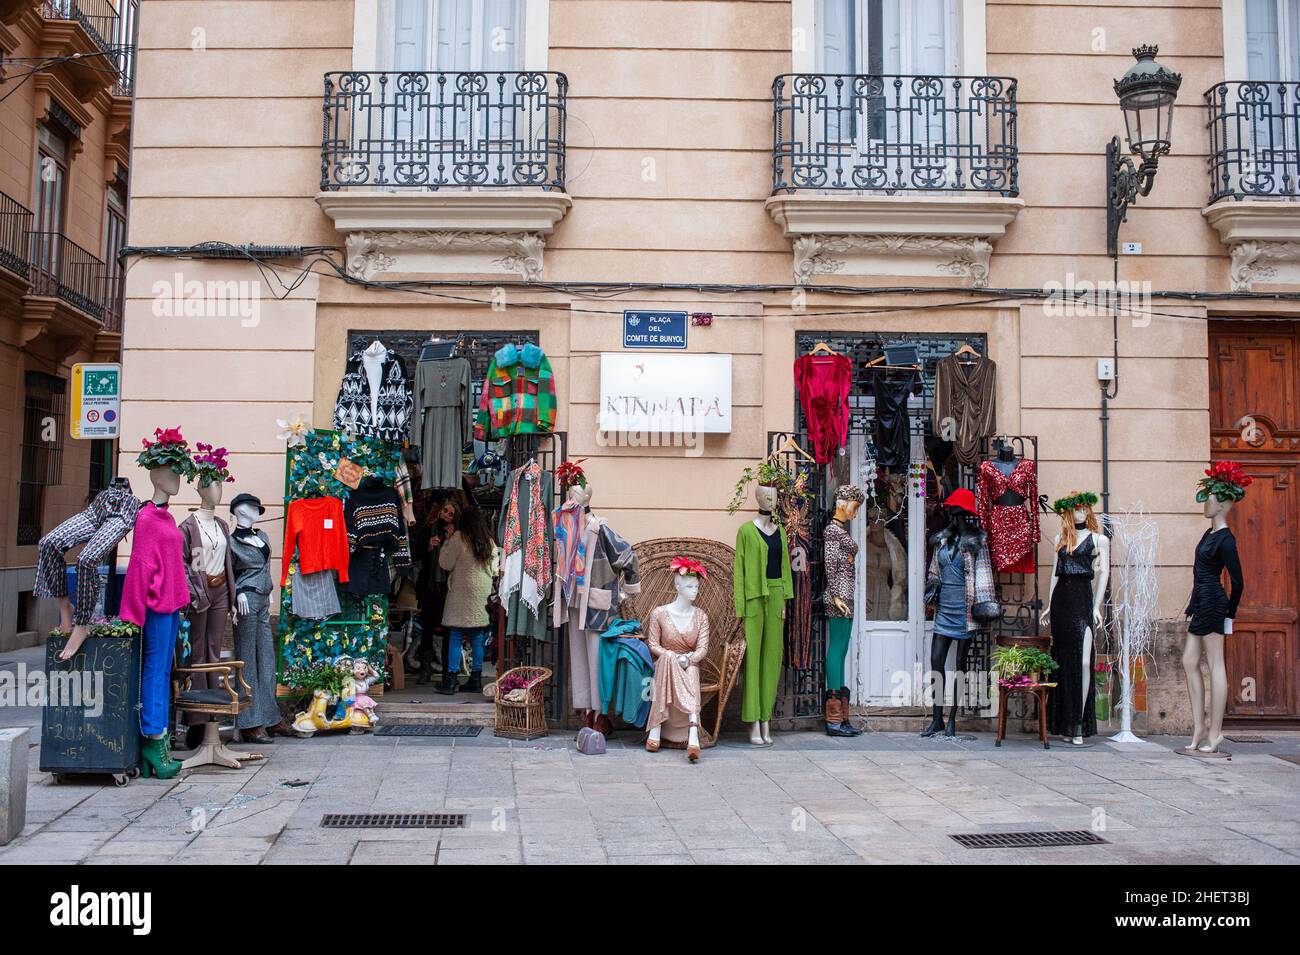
1248 739
393 820
1028 840
1288 757
429 729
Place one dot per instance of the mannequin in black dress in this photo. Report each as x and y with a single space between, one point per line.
1080 571
1211 609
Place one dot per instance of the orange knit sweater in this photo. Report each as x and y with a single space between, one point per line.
315 526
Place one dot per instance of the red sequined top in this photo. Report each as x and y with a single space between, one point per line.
1013 529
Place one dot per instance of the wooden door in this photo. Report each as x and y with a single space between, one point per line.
1255 419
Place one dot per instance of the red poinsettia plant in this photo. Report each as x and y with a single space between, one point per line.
210 465
168 450
1225 480
686 567
570 473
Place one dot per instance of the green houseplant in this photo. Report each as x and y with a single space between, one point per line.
1020 665
767 474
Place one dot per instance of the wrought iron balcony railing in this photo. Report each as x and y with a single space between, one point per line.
124 46
438 130
922 134
62 269
97 17
15 236
1254 139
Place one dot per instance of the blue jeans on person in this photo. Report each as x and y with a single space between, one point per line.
160 631
458 634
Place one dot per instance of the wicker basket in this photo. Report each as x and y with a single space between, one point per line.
523 720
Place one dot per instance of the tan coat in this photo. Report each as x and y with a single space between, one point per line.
469 584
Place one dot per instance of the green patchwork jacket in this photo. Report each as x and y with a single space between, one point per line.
518 394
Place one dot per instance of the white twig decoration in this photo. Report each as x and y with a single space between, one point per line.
1135 602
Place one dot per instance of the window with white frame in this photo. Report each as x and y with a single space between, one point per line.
908 37
452 35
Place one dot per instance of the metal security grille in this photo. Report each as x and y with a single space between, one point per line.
894 133
44 423
429 729
1027 840
801 690
393 820
1254 139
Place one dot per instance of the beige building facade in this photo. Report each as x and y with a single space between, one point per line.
735 158
65 137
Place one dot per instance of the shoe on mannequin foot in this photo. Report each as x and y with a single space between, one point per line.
1210 746
936 724
766 728
756 733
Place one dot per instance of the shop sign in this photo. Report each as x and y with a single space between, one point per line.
96 400
654 329
665 394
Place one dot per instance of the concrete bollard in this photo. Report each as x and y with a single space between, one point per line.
13 783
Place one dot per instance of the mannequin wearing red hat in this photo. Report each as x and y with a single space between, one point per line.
960 579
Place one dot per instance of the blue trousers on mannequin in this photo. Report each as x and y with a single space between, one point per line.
477 636
160 631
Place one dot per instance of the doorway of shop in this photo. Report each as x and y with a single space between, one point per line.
1255 420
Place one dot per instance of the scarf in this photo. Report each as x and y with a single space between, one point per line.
527 560
570 548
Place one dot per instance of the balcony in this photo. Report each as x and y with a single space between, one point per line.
1254 166
15 242
894 175
64 270
89 37
444 172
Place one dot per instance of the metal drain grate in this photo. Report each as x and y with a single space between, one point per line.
1248 739
1028 840
429 729
1288 757
393 820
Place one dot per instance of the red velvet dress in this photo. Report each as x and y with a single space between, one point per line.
824 382
1012 528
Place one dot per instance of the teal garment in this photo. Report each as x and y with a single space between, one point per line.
626 671
837 648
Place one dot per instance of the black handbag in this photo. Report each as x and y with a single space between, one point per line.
986 611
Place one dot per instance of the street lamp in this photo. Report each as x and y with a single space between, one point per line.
1146 96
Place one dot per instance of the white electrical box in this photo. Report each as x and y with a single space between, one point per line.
1105 369
1131 248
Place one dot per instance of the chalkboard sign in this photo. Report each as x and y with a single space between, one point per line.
91 722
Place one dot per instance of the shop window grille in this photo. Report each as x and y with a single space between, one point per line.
466 730
1027 840
393 820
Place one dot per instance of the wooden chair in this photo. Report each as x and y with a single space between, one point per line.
227 700
720 670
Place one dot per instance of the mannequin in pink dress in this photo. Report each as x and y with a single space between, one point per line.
678 636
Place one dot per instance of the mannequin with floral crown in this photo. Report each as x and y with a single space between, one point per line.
155 590
678 637
211 574
1080 571
1211 609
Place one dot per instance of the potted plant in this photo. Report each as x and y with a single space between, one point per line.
1021 665
767 474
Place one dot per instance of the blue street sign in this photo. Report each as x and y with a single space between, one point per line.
654 329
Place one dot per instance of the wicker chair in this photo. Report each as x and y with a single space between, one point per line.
721 668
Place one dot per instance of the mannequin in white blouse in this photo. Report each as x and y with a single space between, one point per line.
214 538
372 360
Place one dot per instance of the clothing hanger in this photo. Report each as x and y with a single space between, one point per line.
437 349
790 445
821 348
878 364
966 349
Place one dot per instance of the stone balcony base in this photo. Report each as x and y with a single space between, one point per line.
1263 238
921 236
445 233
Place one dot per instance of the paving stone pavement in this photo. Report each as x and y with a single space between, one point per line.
884 797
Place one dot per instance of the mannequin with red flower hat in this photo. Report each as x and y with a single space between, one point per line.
678 638
1211 609
959 586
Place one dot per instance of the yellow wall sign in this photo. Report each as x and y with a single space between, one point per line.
96 400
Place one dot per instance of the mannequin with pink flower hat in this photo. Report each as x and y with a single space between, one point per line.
678 637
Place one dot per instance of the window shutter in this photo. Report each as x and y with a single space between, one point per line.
501 47
410 34
455 35
835 36
1262 40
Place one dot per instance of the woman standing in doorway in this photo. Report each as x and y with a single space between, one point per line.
471 559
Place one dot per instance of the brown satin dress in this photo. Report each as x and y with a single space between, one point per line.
676 690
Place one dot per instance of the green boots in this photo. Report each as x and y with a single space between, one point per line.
156 757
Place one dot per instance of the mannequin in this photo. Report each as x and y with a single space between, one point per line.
840 552
1007 488
1080 571
960 576
679 640
100 527
250 554
211 579
763 583
154 591
1211 610
573 520
372 360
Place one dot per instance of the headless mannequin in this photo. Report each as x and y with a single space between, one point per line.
1207 726
372 359
1006 462
1100 576
964 531
682 611
760 731
166 484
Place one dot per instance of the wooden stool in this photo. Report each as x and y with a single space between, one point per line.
1005 693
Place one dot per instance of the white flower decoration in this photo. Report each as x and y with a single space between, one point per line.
294 432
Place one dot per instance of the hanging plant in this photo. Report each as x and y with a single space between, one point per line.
768 474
